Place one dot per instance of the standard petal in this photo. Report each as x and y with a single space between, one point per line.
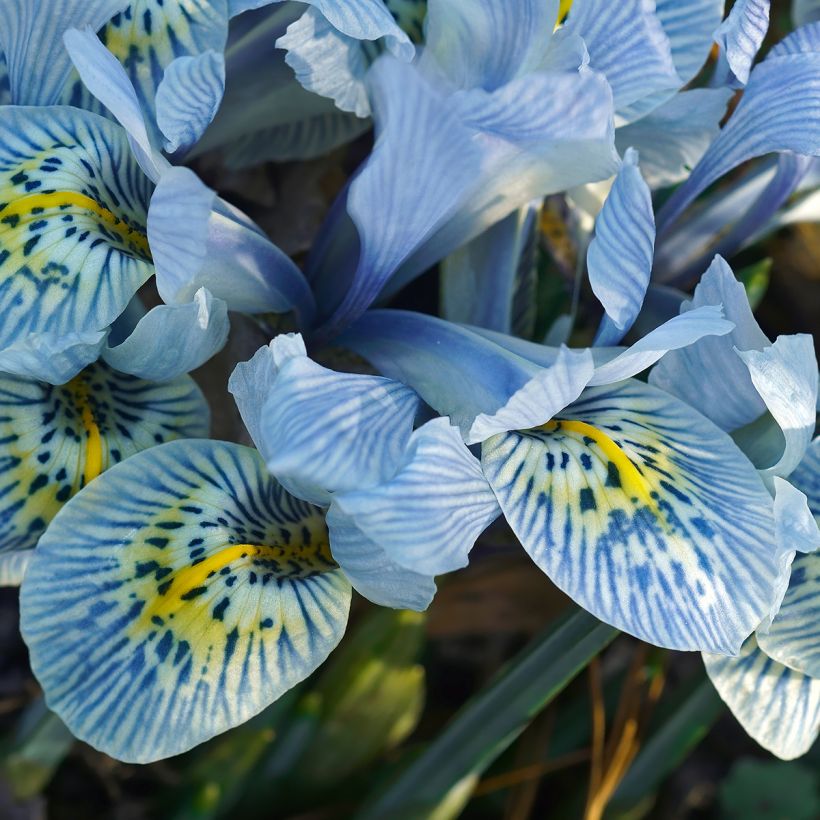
709 375
31 40
171 340
428 516
324 432
188 98
327 62
619 259
179 598
487 43
779 111
672 138
490 282
371 572
777 706
73 203
807 476
785 377
50 357
57 439
645 513
627 43
740 36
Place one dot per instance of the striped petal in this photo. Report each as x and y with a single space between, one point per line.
779 111
324 432
807 476
619 259
52 357
57 439
31 40
5 89
146 38
178 598
645 513
13 566
428 516
171 340
188 98
627 43
777 706
740 36
672 138
793 638
73 203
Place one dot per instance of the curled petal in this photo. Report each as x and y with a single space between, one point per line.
740 36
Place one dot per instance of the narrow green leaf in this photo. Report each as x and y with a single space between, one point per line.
490 722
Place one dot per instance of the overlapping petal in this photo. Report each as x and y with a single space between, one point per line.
202 594
740 36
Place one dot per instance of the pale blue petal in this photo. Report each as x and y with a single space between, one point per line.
423 154
678 333
779 111
13 566
785 376
198 240
359 19
804 40
794 519
105 78
188 98
428 516
5 90
31 40
740 36
251 382
709 374
462 374
324 432
777 706
201 594
626 42
805 11
807 476
672 138
73 247
793 638
546 394
489 281
51 357
619 258
173 339
645 513
58 439
370 570
487 43
146 39
327 62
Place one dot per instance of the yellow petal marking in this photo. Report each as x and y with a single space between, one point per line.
62 200
78 387
632 480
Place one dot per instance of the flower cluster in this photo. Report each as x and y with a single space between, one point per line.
174 586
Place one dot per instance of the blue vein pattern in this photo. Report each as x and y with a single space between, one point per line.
779 707
645 513
73 206
146 37
55 439
204 593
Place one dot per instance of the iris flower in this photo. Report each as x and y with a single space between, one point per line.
209 587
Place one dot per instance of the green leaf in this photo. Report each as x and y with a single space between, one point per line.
770 790
439 782
755 279
40 745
